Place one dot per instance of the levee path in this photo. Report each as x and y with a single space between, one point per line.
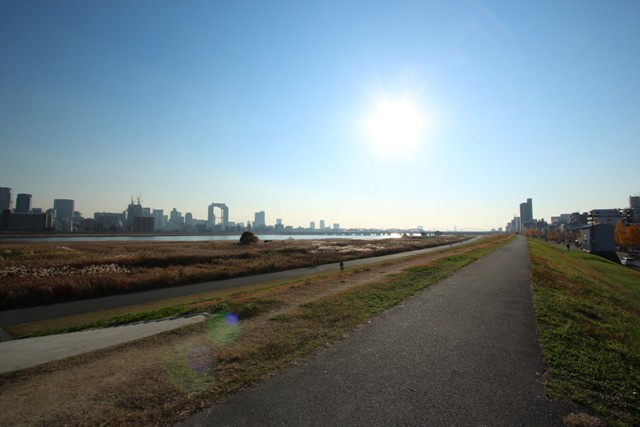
462 353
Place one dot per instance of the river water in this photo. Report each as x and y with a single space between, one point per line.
191 238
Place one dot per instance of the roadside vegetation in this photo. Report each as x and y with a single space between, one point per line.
43 273
588 317
165 378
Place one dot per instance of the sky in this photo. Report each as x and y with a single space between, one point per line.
373 114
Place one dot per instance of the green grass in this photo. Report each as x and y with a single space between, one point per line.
244 309
588 316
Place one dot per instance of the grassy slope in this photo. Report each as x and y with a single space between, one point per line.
588 314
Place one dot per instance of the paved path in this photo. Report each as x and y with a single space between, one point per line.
461 353
28 352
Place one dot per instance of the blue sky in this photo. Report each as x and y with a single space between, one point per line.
267 105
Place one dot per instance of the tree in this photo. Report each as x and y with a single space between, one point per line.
621 234
555 235
633 236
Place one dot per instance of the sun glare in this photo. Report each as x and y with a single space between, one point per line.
395 126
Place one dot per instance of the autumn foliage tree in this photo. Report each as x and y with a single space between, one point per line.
627 237
621 234
633 237
555 235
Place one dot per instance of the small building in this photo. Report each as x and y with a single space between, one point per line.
598 239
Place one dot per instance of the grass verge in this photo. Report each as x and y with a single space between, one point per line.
588 318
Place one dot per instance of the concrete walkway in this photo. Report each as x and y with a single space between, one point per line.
28 352
464 352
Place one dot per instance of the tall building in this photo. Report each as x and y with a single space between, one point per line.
211 219
176 217
634 205
322 224
133 210
142 224
23 203
158 219
5 198
526 213
259 220
64 209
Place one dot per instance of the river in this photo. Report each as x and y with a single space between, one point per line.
190 238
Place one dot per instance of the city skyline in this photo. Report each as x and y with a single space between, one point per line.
381 114
218 218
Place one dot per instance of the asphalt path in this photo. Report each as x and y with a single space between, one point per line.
463 352
47 312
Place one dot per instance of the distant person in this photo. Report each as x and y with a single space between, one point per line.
341 265
568 246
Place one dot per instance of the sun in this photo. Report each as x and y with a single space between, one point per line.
395 126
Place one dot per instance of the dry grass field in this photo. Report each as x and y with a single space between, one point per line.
34 274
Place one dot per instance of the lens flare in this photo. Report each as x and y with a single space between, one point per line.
191 368
200 359
224 328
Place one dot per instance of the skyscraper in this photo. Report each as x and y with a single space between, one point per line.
526 213
23 203
634 205
64 214
259 220
5 198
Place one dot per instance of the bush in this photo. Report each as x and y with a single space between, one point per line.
248 238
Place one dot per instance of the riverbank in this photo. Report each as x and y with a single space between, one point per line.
42 273
303 234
